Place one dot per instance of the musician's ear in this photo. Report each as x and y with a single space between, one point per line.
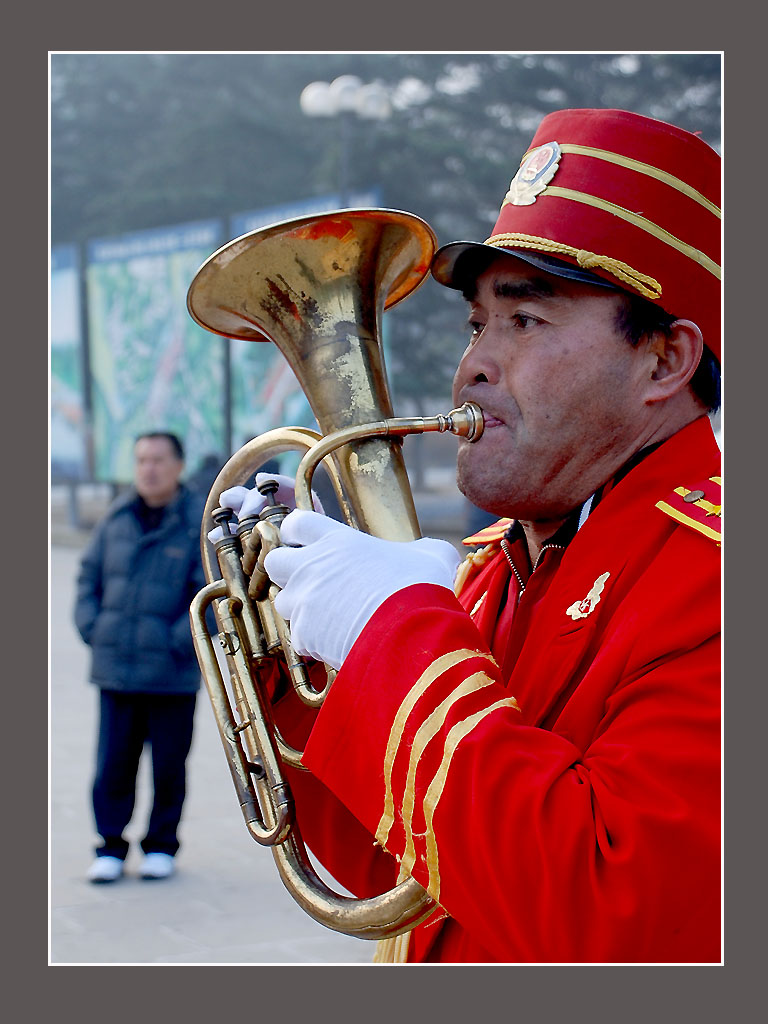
671 358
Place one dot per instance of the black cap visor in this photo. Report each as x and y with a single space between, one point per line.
458 264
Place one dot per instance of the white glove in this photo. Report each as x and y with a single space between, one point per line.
334 583
247 501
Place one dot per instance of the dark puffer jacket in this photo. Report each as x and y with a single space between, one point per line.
133 597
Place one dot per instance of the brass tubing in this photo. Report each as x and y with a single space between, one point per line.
272 785
241 465
228 556
384 916
466 421
407 904
377 917
240 767
296 667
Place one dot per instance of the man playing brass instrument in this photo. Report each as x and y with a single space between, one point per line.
534 736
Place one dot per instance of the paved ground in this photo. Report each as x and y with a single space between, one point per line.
226 904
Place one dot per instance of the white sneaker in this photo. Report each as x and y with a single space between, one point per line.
105 869
157 865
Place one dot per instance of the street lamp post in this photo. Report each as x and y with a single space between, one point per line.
345 98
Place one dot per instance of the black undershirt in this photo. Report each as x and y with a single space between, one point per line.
149 516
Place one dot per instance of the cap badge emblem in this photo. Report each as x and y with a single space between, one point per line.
581 609
535 173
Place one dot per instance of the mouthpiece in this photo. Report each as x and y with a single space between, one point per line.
466 421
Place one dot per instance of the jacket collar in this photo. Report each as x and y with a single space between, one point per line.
690 443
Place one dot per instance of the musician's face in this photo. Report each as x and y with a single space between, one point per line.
156 470
560 387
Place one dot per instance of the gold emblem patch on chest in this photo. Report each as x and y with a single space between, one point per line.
581 609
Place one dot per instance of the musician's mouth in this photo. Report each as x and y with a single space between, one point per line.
489 420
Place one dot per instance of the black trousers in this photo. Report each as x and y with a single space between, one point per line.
128 721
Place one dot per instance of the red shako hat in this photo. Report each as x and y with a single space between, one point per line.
613 197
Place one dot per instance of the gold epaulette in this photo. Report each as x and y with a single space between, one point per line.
699 507
489 538
489 533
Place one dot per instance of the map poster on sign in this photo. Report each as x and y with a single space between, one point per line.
68 447
152 367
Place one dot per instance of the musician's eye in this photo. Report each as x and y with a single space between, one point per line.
524 320
475 329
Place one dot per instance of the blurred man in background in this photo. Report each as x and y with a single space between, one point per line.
138 575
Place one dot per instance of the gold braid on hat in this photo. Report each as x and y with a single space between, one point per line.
646 286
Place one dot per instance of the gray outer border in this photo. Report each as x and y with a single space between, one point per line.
628 993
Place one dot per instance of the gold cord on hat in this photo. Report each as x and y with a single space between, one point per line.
642 283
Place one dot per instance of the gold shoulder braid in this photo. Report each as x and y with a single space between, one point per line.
474 561
699 507
487 541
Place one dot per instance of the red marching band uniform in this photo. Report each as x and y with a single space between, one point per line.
548 765
541 751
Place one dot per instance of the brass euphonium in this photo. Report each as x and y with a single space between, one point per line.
316 287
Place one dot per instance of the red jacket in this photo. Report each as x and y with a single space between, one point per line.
560 800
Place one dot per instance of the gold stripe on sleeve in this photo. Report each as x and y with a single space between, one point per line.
428 729
437 785
429 676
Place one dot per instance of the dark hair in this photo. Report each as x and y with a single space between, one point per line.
172 439
638 318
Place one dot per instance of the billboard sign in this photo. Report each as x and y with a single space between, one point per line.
152 367
67 436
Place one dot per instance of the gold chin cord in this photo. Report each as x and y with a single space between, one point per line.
317 288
